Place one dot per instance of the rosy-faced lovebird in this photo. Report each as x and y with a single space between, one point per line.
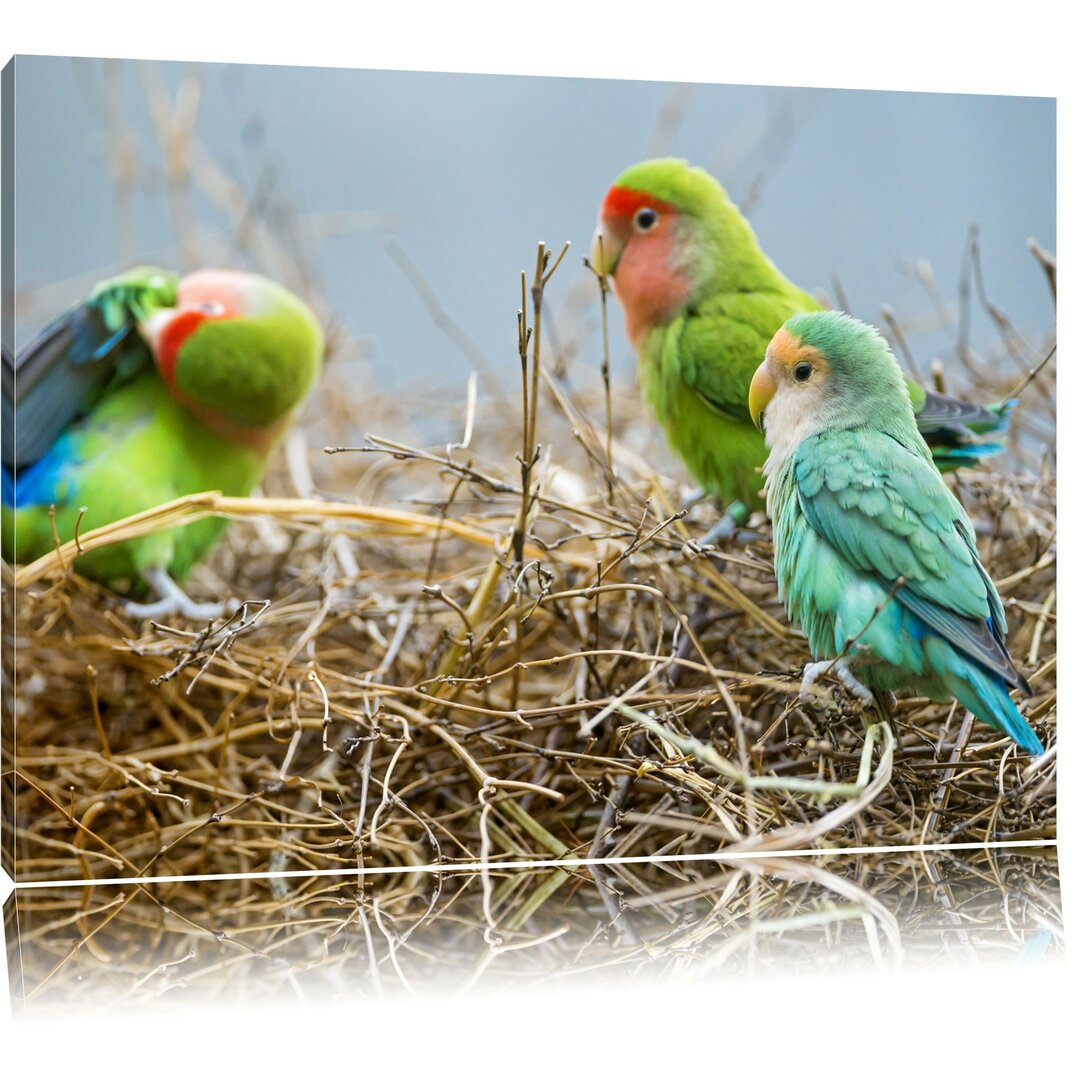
875 557
153 388
701 301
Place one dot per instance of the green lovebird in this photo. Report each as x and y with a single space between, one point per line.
875 557
701 301
153 388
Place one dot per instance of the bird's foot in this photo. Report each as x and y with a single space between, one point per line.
694 497
174 601
721 532
730 527
814 670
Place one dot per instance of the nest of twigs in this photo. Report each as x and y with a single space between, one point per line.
503 649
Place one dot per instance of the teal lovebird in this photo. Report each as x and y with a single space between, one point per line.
701 301
154 387
875 557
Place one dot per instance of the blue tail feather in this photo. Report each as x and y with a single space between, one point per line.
956 457
987 696
1002 410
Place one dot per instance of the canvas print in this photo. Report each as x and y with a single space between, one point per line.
483 485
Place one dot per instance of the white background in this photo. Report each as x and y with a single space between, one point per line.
1003 1022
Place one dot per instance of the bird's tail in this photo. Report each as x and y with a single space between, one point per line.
943 418
997 418
948 458
7 486
952 428
1003 410
987 696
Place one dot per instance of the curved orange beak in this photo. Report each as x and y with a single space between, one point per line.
762 389
606 249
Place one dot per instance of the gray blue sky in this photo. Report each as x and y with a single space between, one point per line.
467 172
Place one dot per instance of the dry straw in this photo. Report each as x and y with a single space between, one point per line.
533 659
484 632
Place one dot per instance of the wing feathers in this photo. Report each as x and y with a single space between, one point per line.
887 511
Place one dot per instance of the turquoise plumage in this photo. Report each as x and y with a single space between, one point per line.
875 558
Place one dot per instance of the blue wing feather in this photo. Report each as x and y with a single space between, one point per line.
62 372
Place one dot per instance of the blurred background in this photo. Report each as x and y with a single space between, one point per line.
406 204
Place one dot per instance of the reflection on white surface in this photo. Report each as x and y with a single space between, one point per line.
245 941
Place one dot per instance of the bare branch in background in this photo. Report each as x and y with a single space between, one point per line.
669 120
174 118
1047 261
760 144
444 321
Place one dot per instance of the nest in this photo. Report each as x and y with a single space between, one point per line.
502 648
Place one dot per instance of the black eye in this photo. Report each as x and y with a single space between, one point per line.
646 218
803 371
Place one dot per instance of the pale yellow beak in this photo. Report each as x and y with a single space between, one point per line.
153 325
762 389
606 250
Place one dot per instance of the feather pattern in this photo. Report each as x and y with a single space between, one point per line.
875 558
244 353
888 514
696 356
60 374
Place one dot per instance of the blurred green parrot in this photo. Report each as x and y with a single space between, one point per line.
875 557
154 387
701 301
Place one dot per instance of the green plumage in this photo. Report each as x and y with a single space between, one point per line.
62 371
695 370
238 371
133 295
694 375
137 449
696 360
258 367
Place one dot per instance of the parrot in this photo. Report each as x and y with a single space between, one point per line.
701 301
875 557
154 387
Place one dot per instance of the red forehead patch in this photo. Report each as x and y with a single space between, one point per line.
625 202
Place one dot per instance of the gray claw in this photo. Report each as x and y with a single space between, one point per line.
814 670
731 526
174 601
723 530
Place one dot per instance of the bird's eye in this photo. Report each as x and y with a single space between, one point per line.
210 307
646 218
803 371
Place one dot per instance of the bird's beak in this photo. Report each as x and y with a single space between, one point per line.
762 389
606 250
152 326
